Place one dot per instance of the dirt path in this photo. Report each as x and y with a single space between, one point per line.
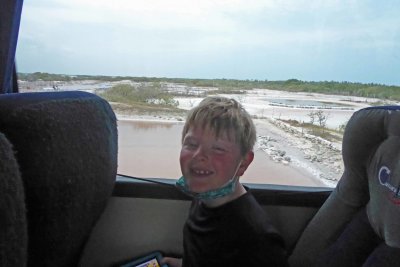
289 146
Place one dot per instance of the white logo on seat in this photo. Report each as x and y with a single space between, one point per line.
384 179
384 175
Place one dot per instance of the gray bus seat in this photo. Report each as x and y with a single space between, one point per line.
66 148
359 223
13 225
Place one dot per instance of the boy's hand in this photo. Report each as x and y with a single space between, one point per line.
172 262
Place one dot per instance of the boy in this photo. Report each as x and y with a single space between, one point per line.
226 226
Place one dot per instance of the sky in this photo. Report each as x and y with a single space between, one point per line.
309 40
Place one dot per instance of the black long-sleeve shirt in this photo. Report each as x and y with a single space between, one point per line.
237 233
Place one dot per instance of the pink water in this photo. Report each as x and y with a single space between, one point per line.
151 149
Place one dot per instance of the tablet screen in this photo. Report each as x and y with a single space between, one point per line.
144 262
149 263
151 260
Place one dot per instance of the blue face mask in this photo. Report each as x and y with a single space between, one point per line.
225 190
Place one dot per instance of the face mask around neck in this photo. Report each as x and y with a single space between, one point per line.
223 191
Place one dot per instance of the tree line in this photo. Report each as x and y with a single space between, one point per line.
373 90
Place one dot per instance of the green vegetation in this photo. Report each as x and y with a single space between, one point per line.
149 93
146 98
43 76
339 88
380 91
317 130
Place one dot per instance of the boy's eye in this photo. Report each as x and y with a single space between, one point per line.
190 145
219 149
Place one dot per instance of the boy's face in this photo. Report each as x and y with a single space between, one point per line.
208 162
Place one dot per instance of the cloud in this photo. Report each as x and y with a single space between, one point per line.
227 22
208 31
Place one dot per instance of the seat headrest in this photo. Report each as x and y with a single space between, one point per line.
364 133
66 147
370 151
383 173
371 154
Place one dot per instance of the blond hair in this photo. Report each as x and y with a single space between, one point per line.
223 115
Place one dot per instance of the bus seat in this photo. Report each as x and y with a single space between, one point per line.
66 149
359 224
13 225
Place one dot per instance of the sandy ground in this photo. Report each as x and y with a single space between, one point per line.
286 145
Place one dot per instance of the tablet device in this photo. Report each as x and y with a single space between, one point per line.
150 260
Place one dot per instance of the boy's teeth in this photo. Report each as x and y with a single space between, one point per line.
201 172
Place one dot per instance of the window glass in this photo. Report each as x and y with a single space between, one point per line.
300 68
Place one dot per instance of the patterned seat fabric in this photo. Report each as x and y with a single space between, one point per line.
66 149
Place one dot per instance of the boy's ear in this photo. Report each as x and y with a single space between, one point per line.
247 159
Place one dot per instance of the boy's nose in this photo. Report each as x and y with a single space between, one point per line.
200 153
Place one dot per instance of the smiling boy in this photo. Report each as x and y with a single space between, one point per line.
226 226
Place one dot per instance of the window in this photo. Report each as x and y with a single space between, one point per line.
301 68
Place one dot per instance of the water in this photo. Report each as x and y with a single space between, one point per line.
151 150
305 103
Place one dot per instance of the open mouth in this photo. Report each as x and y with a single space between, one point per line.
201 172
